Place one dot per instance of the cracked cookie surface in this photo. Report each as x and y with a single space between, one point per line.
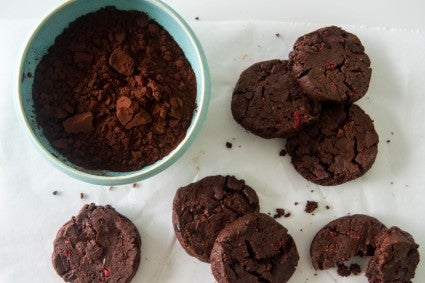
202 209
344 238
396 257
97 245
338 148
330 65
268 101
254 248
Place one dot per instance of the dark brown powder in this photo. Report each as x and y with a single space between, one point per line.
343 270
279 213
311 206
355 269
114 92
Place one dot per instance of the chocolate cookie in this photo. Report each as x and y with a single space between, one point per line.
396 257
344 238
97 245
340 147
331 65
202 209
254 248
268 101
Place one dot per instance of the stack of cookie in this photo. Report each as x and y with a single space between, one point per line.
217 220
308 99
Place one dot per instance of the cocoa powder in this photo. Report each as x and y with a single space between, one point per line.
114 92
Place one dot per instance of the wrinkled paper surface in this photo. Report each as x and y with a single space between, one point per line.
393 190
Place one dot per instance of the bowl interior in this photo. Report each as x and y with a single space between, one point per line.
44 37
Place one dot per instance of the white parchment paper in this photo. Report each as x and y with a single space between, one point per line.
393 190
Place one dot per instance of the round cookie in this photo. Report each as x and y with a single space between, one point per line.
97 245
344 238
202 209
330 65
396 257
268 101
254 248
340 147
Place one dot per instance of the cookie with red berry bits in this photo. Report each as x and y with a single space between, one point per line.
341 146
97 245
268 101
330 64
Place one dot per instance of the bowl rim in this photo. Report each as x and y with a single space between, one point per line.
198 118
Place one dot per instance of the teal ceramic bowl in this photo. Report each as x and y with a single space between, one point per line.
43 38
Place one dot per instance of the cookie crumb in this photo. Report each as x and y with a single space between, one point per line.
287 215
296 203
388 141
277 34
135 185
355 269
311 206
55 193
81 195
229 145
343 270
197 18
111 188
327 207
392 133
283 152
279 213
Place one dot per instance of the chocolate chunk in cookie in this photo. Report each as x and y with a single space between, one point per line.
338 148
396 257
254 248
331 65
202 209
268 101
97 245
344 238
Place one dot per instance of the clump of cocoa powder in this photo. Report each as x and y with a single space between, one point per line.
114 92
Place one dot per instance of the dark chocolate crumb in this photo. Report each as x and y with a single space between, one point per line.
343 270
287 214
277 34
311 206
388 141
229 144
55 193
111 188
312 191
301 230
392 133
279 213
269 213
355 269
81 195
282 152
197 18
135 185
296 203
327 207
